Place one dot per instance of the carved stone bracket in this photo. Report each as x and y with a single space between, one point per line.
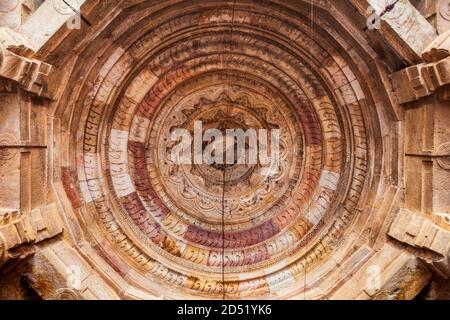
19 231
438 50
421 233
17 64
425 79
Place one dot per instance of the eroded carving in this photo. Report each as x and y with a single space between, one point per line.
19 231
17 64
421 233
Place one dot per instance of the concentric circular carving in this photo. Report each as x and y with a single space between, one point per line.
66 294
7 154
241 193
443 154
224 230
444 10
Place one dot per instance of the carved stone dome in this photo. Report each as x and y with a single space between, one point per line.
237 231
358 192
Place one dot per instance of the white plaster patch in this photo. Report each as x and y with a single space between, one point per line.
182 246
102 95
347 93
118 155
281 243
113 58
358 90
280 280
315 215
323 200
123 185
329 180
85 192
94 189
90 166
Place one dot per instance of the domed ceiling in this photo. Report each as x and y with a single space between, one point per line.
224 231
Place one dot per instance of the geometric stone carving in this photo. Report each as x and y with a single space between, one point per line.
424 79
19 231
17 65
227 233
420 81
215 231
141 226
421 233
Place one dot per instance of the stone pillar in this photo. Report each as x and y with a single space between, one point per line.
424 91
26 213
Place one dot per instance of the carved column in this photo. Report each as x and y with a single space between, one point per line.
26 217
424 223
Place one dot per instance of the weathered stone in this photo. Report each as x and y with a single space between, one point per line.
93 198
18 231
17 65
427 78
420 232
405 20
